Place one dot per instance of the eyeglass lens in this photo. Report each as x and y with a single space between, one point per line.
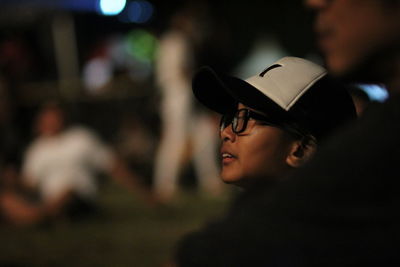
238 120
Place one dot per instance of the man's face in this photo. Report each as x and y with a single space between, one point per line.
259 152
50 122
352 33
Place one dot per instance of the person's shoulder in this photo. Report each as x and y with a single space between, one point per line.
80 131
84 137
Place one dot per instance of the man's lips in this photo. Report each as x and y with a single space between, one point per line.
227 157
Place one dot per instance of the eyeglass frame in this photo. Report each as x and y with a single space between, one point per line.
233 120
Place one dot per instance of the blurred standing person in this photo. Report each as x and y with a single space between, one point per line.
175 64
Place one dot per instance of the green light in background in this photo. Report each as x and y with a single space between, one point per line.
141 45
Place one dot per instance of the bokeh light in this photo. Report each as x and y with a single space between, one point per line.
141 45
375 92
111 7
140 11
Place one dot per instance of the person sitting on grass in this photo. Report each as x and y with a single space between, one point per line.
60 170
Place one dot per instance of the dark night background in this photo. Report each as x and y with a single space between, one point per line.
45 46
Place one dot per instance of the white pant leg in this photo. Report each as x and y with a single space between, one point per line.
175 114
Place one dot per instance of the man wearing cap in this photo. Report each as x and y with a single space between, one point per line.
271 124
273 121
342 209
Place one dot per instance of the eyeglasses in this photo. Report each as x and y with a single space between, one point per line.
240 118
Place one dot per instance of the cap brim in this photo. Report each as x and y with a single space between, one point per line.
212 90
221 93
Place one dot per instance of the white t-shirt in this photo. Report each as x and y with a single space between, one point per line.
68 161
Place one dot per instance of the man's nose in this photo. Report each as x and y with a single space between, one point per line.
227 134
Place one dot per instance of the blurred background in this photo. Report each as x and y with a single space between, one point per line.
94 53
122 69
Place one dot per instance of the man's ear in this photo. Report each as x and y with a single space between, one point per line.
301 151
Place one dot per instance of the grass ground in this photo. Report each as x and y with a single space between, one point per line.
126 233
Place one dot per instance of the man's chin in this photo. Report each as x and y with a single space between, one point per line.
359 71
239 182
229 179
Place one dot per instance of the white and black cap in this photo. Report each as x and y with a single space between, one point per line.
292 90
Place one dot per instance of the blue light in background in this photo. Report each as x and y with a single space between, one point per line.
375 92
140 11
111 7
